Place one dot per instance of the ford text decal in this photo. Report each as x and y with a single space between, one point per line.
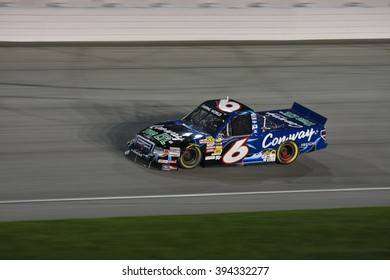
174 135
284 119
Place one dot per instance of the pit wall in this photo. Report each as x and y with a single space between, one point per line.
192 20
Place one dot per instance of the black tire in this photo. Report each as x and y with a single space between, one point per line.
190 157
287 152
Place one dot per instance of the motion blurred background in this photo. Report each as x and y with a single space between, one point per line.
178 20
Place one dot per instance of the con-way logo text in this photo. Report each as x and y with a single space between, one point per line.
270 141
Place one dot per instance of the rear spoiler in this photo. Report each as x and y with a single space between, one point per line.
307 113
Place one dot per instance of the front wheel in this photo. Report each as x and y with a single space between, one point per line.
190 157
287 152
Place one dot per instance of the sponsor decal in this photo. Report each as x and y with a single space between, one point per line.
210 158
269 158
218 157
291 115
210 144
305 121
162 138
167 167
269 155
160 152
305 145
255 126
270 141
167 161
150 132
284 119
269 152
209 141
215 150
218 150
254 118
174 152
173 135
213 111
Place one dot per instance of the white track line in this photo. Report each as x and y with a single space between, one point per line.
188 195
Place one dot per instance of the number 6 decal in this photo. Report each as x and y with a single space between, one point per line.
228 106
237 152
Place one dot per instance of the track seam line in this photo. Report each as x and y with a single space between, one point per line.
186 195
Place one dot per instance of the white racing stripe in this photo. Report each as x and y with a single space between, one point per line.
188 195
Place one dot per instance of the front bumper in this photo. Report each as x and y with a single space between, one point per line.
151 160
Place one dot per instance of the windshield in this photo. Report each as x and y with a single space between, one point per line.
205 120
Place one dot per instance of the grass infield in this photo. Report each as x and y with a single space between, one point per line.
359 233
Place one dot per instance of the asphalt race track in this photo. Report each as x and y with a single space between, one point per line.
66 113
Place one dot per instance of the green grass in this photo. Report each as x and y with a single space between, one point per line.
362 233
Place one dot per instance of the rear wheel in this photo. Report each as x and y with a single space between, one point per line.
190 157
287 152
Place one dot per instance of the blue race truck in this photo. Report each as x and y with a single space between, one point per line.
227 132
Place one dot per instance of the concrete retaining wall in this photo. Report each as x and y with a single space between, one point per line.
181 20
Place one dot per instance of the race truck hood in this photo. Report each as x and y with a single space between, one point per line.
171 134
